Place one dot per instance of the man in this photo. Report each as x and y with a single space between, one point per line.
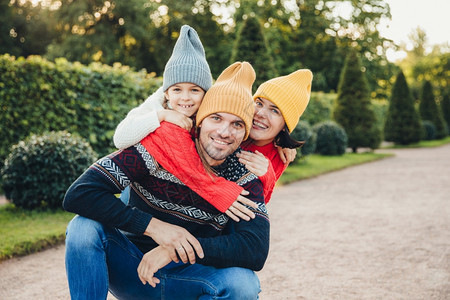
121 247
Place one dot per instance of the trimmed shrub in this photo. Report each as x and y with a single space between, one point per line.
445 108
304 132
429 130
40 169
251 45
429 110
40 96
320 107
353 110
403 122
331 138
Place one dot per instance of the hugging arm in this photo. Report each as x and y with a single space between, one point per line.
140 121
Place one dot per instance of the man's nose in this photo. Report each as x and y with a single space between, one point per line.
224 130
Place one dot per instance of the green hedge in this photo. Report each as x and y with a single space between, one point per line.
37 95
320 108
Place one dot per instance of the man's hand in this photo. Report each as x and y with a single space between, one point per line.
238 211
174 239
256 162
150 264
176 118
287 155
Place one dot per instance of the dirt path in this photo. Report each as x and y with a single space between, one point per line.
375 231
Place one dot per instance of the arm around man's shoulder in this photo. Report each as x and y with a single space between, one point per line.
140 121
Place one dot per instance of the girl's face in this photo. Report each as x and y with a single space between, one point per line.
185 97
267 122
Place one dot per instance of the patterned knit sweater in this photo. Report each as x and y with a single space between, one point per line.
157 193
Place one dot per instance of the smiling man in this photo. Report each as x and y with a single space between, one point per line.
123 247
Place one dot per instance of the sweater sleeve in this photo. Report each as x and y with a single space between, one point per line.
174 150
244 244
268 180
92 195
140 121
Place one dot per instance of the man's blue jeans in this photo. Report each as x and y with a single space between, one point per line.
99 258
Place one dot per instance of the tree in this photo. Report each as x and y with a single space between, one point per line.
353 107
402 122
251 46
24 28
103 31
429 110
445 108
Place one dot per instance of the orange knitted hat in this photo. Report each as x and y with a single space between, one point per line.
231 93
289 93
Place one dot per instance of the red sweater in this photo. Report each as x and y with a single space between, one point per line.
276 166
184 162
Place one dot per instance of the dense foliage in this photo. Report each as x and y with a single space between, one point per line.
38 96
428 131
251 46
320 107
430 111
141 33
39 170
353 109
304 132
445 108
331 138
402 122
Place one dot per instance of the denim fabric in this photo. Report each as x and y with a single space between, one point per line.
99 258
125 195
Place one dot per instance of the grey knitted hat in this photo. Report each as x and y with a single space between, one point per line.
188 62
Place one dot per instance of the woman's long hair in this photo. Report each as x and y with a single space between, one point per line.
284 140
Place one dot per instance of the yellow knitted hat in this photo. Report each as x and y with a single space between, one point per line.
231 93
289 93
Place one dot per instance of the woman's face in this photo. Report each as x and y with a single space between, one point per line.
185 97
267 122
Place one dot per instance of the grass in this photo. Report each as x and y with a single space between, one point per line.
23 232
314 165
422 144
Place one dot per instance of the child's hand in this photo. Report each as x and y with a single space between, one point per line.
256 162
176 118
238 210
287 155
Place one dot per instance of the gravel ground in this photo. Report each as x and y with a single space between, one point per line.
375 231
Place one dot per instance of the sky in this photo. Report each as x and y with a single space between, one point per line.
433 16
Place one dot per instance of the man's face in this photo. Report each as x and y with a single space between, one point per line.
220 135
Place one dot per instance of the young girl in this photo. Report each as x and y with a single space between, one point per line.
186 78
279 104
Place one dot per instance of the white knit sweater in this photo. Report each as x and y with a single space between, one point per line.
140 121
